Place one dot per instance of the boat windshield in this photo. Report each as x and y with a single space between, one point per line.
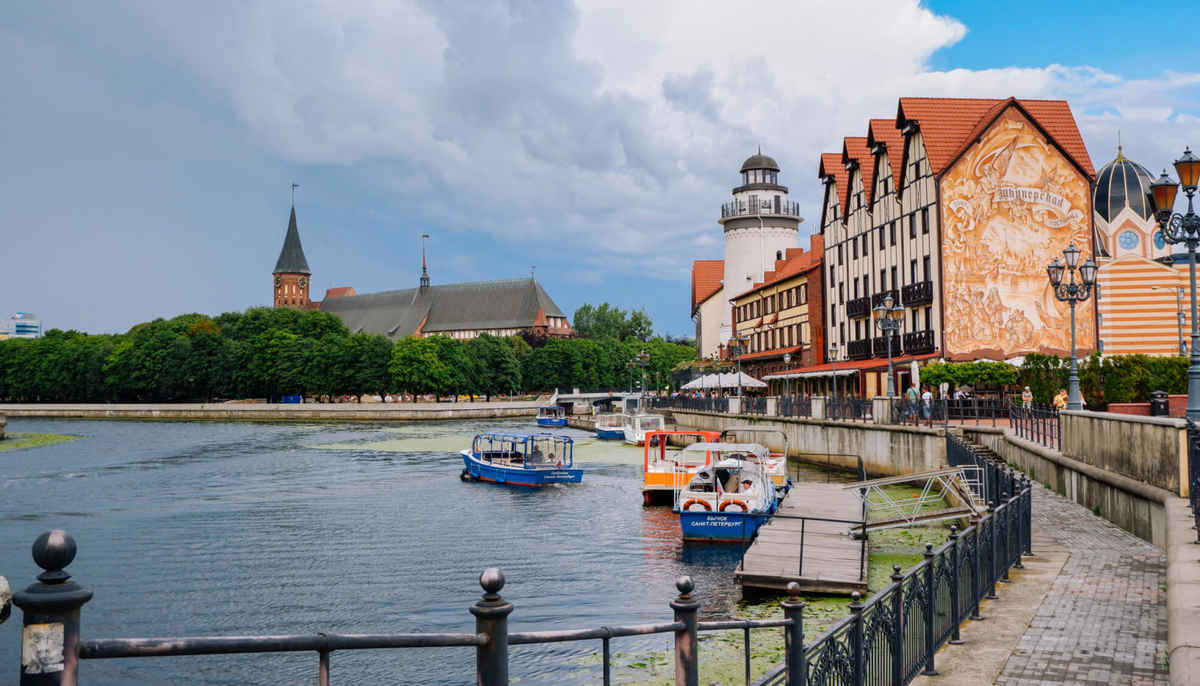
659 449
746 452
551 411
536 451
757 434
649 422
612 420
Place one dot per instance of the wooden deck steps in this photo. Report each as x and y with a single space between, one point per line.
821 556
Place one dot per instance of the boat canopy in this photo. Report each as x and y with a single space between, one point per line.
540 450
731 450
550 411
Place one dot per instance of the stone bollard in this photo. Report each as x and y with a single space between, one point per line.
687 662
818 407
491 619
51 615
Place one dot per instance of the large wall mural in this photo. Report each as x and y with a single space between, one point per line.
1010 206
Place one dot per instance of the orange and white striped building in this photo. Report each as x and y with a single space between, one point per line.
1140 289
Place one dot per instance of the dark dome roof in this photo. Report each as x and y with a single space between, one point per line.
1119 183
759 161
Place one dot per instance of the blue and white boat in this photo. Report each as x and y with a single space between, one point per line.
641 424
611 426
551 415
729 499
521 459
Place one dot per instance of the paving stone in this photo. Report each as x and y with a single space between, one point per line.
1104 620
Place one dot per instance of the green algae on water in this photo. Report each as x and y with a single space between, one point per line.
17 441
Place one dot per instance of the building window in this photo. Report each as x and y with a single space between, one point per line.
840 252
914 321
856 287
858 329
883 280
929 319
894 286
913 269
832 315
842 335
866 285
866 239
892 232
841 293
882 242
778 254
925 220
803 294
925 266
854 250
912 226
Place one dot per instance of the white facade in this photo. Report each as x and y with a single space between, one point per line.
22 325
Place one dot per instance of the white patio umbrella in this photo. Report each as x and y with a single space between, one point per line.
916 374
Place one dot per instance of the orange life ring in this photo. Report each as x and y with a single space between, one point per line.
688 505
739 503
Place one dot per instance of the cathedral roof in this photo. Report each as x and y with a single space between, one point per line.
1122 183
291 258
508 304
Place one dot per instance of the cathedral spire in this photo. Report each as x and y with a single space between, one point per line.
424 274
291 258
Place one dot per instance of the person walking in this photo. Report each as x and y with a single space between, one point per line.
1026 398
913 396
1060 400
927 405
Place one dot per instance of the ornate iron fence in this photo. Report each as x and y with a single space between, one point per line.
1193 458
977 409
848 409
704 404
794 406
905 411
997 481
1037 423
754 405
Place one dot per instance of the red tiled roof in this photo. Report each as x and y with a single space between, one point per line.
795 261
832 165
706 280
777 352
856 149
339 292
885 131
949 125
857 365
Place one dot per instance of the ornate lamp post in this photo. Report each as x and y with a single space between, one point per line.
1072 293
787 369
1182 228
888 318
738 346
1178 313
833 353
630 365
642 360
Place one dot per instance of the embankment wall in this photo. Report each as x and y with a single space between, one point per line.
279 412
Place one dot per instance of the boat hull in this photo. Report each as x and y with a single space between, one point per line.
551 421
720 527
518 476
610 434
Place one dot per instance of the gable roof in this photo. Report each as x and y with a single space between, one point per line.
832 165
706 280
951 125
884 131
339 292
291 258
508 304
856 149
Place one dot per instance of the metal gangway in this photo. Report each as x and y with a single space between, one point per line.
950 493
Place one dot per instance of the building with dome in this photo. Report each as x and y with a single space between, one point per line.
1141 291
761 226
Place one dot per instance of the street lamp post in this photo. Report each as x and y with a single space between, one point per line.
1178 313
787 369
887 318
833 353
642 361
737 347
630 365
1072 293
1182 228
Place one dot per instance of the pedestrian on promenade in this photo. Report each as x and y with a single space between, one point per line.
1027 398
913 395
1060 400
927 404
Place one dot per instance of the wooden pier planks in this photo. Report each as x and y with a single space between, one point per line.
831 556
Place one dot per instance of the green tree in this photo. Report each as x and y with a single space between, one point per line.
416 366
609 321
499 369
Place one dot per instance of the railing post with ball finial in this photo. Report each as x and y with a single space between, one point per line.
51 615
687 665
491 619
793 637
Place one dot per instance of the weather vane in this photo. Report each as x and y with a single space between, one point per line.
533 271
294 187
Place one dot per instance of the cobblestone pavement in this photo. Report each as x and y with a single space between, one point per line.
1104 620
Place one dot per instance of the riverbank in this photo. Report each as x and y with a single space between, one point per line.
350 412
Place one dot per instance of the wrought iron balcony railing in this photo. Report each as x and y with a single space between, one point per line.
877 299
920 293
858 308
918 342
859 350
754 205
880 345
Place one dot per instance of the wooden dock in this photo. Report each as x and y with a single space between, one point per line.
830 559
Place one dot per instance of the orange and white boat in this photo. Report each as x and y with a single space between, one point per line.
667 468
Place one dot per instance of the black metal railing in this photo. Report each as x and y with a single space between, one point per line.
918 342
880 346
917 412
756 405
920 293
858 308
878 298
1037 423
794 406
996 483
1193 458
892 638
978 410
753 205
702 404
848 409
859 350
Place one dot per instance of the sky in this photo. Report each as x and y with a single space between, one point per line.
147 149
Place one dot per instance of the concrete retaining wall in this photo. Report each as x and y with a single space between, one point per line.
1183 595
3 423
280 412
1142 448
885 450
1134 506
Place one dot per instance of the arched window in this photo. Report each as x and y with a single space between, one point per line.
779 254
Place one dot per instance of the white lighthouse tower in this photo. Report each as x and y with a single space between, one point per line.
761 225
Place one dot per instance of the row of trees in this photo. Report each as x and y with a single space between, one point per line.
284 351
1102 379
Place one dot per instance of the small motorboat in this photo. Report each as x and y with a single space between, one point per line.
775 464
729 499
642 423
667 468
521 459
551 415
611 425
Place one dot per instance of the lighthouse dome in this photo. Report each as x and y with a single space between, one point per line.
1122 183
759 161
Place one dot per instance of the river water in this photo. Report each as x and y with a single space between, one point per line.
207 528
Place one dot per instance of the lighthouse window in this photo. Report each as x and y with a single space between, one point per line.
779 254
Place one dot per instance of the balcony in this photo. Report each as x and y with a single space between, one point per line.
881 346
877 299
859 350
919 342
754 206
917 293
858 308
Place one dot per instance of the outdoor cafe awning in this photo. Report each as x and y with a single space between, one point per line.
729 380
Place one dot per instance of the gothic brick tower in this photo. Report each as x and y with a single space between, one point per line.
291 270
